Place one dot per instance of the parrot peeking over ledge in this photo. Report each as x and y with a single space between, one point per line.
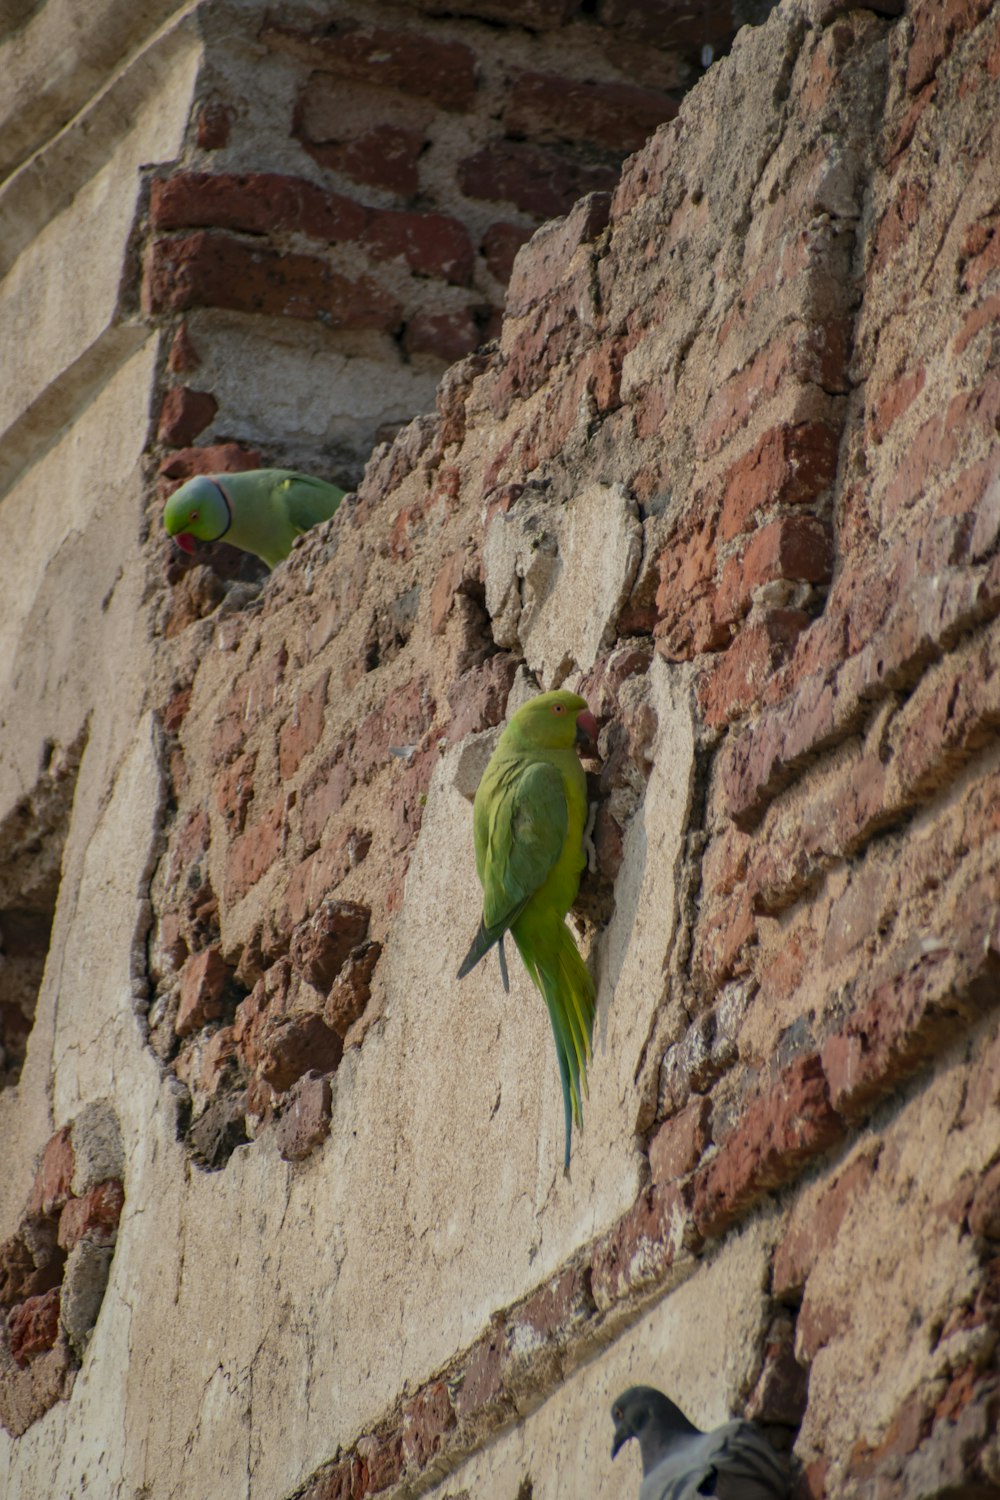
259 510
528 820
680 1462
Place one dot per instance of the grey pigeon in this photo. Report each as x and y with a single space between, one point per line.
734 1462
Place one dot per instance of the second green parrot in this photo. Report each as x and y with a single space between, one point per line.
260 510
528 822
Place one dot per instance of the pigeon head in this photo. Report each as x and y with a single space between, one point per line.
644 1413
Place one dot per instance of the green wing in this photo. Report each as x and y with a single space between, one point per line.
307 500
521 825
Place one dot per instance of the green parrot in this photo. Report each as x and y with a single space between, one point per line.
528 821
260 510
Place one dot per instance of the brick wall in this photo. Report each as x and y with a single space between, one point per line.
731 468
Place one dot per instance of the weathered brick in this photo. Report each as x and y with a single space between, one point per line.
253 852
33 1326
892 400
677 1146
381 1459
213 125
300 734
183 356
320 873
52 1186
203 985
213 269
499 247
482 1375
781 1131
321 945
449 336
324 793
665 23
427 1420
800 354
304 1122
617 116
789 465
184 414
431 68
294 1044
541 180
351 990
431 244
234 788
644 1244
796 548
737 679
94 1216
216 458
386 156
815 1224
937 26
254 203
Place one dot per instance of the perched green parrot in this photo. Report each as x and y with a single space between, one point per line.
261 510
528 821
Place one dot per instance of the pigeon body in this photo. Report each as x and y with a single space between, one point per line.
528 821
260 510
679 1462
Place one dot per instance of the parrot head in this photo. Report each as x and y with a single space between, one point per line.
198 509
555 720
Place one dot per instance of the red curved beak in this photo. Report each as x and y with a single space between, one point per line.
586 726
185 541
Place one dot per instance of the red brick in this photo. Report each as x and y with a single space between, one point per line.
448 336
321 945
430 244
555 1311
254 851
478 699
183 356
94 1216
207 269
939 441
300 734
797 548
33 1326
616 116
723 933
667 23
342 1481
325 792
980 252
482 1376
899 220
814 1230
304 1122
780 1132
677 1146
789 465
387 156
54 1176
234 790
914 1010
254 203
427 1420
351 990
986 315
737 679
381 1458
442 71
500 245
204 978
213 124
893 399
553 256
644 1244
184 414
801 354
937 26
176 710
541 180
319 874
291 1045
218 458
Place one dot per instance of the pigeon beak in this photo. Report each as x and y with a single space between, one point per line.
586 727
622 1436
185 541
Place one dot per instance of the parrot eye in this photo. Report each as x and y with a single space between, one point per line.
193 516
558 708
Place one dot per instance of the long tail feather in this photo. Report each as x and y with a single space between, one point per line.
554 963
